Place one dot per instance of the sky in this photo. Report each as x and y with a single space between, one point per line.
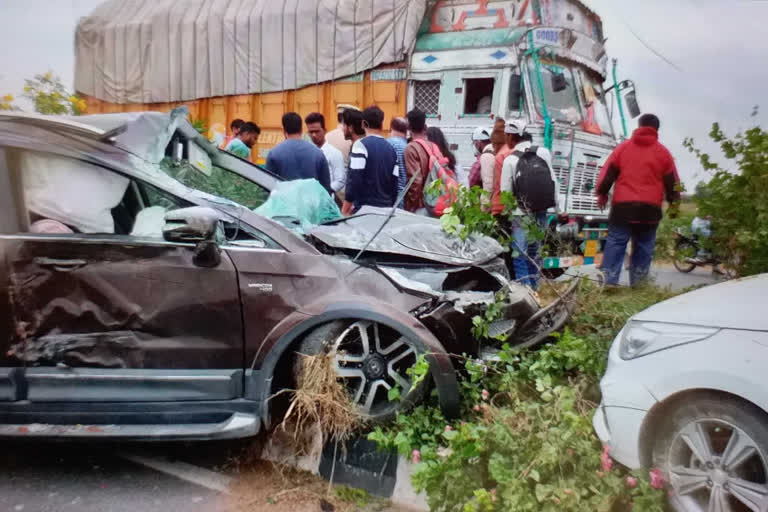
717 49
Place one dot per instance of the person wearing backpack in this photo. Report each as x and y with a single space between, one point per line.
425 164
527 173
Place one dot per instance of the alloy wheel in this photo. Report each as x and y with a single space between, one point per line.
371 359
715 466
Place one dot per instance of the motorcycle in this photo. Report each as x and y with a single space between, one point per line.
688 254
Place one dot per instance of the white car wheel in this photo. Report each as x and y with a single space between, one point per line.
714 455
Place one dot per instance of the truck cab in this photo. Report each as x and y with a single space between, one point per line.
541 61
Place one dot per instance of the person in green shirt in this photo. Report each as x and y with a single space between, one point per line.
246 138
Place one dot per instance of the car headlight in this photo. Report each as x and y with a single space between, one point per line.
643 338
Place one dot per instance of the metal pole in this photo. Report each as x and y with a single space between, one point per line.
545 109
618 99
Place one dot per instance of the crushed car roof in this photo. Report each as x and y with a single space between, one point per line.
405 234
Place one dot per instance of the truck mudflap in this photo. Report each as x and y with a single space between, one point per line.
548 320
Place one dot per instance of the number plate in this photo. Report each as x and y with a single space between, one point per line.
590 250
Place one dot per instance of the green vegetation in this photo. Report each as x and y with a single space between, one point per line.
358 497
48 95
665 236
735 198
526 440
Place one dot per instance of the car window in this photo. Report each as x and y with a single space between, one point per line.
219 182
61 195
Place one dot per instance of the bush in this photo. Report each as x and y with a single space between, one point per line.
736 200
50 96
665 236
526 442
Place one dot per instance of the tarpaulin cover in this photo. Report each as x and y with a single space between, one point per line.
138 51
305 202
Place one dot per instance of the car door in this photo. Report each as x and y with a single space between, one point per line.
120 316
11 368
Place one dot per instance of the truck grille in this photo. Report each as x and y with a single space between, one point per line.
582 188
561 173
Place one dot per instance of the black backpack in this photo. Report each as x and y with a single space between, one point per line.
533 185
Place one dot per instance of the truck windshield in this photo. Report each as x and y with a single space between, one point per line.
562 104
595 104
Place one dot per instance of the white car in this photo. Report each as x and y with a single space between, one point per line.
686 391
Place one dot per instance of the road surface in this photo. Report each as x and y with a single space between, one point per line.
663 275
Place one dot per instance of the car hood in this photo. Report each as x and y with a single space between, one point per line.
405 234
731 305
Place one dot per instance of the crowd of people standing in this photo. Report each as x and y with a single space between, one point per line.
359 167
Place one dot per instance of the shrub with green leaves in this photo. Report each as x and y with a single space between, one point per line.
526 441
735 199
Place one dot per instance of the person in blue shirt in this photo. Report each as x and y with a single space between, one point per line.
398 134
373 172
296 158
247 136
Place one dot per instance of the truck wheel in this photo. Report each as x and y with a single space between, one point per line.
370 359
713 452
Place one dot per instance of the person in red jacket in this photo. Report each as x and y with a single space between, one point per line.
642 173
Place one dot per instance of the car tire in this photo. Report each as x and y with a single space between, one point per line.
713 449
370 368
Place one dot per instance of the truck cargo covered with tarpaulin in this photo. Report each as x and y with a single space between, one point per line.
154 51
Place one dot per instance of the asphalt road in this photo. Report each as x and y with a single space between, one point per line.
67 477
663 275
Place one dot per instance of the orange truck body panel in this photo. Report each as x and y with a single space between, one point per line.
267 109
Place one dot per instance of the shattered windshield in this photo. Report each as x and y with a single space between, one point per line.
220 182
559 91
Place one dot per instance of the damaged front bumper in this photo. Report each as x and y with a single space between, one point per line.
458 296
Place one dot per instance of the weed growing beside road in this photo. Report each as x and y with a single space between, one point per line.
526 440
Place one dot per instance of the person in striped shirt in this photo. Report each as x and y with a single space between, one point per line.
373 174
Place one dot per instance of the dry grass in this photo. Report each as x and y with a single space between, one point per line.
319 399
268 486
550 291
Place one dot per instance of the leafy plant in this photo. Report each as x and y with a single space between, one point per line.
358 497
6 103
665 235
49 96
526 440
735 199
199 125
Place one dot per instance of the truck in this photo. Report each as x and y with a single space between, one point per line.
463 62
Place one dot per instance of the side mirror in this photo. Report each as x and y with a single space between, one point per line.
559 82
198 225
515 92
632 106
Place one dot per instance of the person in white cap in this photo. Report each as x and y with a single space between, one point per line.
336 136
527 173
481 174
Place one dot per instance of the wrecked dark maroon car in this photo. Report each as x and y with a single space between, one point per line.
134 306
